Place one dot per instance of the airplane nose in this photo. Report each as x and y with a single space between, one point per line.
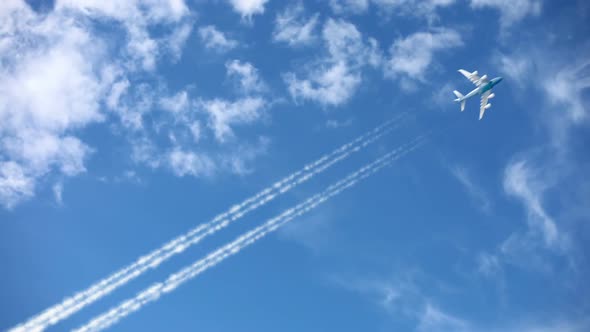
500 79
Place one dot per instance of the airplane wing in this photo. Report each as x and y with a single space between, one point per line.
474 78
484 103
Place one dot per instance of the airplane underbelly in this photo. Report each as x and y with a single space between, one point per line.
485 88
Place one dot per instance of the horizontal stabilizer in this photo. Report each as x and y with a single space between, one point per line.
460 98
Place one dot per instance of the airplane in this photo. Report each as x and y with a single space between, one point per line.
483 88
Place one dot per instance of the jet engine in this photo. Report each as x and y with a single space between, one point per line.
491 96
483 78
488 106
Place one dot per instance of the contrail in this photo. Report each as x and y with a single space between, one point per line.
154 292
78 301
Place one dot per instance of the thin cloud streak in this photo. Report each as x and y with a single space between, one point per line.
155 291
80 300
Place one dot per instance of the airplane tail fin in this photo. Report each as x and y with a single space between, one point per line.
460 99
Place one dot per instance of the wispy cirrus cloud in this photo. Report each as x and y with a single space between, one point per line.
413 8
334 79
403 298
477 194
293 27
511 11
525 183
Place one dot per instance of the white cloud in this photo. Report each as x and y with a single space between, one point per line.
177 103
567 87
238 160
412 56
130 105
224 114
215 39
247 8
349 6
144 151
403 296
134 16
405 299
433 319
516 68
335 78
246 76
489 265
178 39
293 28
511 11
191 163
335 124
417 8
345 43
195 129
57 71
58 190
48 88
15 185
151 10
524 182
332 86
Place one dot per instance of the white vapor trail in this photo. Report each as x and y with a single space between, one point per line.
154 292
78 301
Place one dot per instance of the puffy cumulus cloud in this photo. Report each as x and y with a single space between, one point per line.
345 44
178 39
50 84
333 85
334 79
150 10
511 11
184 163
247 8
215 39
224 114
349 6
411 56
293 28
57 73
246 76
135 17
177 103
15 185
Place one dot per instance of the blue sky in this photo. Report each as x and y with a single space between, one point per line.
126 124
